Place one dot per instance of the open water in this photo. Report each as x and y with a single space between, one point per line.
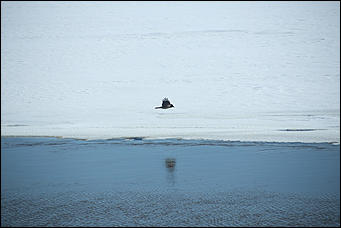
169 182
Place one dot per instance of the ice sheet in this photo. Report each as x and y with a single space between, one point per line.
250 71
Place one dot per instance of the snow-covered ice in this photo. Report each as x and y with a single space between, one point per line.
250 71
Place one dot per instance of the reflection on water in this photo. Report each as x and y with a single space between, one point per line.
170 164
170 167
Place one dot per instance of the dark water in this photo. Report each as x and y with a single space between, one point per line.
170 182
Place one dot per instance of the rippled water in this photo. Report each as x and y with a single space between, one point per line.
170 209
173 182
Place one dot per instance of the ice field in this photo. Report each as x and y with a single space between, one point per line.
249 71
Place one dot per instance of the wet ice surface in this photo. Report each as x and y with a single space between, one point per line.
170 182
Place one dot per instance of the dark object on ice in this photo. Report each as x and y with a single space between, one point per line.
166 104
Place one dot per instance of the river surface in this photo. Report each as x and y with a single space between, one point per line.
168 182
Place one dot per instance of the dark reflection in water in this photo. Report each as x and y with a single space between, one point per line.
170 166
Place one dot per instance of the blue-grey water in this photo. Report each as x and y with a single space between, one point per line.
169 182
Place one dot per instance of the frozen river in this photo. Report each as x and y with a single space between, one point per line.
250 71
254 138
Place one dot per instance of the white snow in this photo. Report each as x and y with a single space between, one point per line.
250 71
